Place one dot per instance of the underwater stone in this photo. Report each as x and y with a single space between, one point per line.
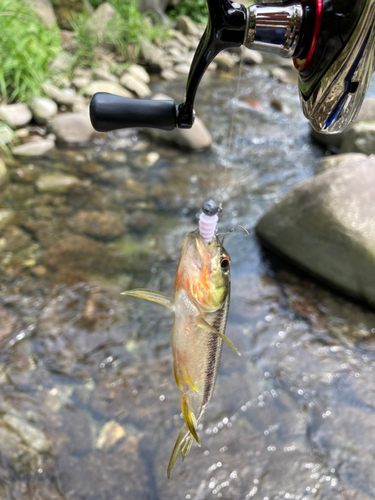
105 225
109 435
56 183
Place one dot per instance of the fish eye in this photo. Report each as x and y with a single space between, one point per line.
224 263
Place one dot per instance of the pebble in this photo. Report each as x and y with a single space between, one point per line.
186 25
145 161
181 69
42 109
56 183
15 115
37 148
140 73
110 434
168 74
71 127
105 86
134 85
102 74
225 61
103 225
6 217
64 97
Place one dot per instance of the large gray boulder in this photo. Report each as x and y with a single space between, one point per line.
326 225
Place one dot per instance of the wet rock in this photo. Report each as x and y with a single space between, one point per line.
110 434
6 217
80 252
359 138
139 72
134 85
146 161
42 109
105 86
35 490
15 115
8 323
325 225
343 160
80 82
13 239
280 74
103 225
113 156
71 430
195 138
28 173
56 183
44 10
251 56
89 475
15 195
30 435
37 148
24 459
6 134
3 174
71 128
186 26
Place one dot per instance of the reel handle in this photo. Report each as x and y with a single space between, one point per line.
111 112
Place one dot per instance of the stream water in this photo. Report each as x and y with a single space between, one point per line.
88 405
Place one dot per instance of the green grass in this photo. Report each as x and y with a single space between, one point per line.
27 48
195 9
126 29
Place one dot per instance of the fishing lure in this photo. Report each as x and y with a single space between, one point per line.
200 305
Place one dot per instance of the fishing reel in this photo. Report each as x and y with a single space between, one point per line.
332 44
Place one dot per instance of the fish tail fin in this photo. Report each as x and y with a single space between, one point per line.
190 419
178 447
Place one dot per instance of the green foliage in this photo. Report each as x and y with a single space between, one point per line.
195 9
128 28
27 47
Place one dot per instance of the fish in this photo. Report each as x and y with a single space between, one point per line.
200 305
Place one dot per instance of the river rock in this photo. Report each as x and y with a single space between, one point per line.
14 239
37 148
44 10
71 127
86 254
359 138
6 134
105 86
15 115
109 435
344 160
168 74
23 459
42 109
139 72
153 56
182 69
198 137
326 226
56 183
251 56
6 217
30 434
225 61
8 323
104 225
80 82
98 22
186 25
101 74
3 175
65 97
132 83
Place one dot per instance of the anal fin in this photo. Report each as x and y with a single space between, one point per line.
190 420
184 376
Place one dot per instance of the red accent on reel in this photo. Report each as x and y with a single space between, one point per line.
301 64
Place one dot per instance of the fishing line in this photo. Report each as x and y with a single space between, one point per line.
230 138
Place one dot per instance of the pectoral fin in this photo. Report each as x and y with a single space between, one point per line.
158 297
224 338
190 419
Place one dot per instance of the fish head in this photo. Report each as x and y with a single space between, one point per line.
204 272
